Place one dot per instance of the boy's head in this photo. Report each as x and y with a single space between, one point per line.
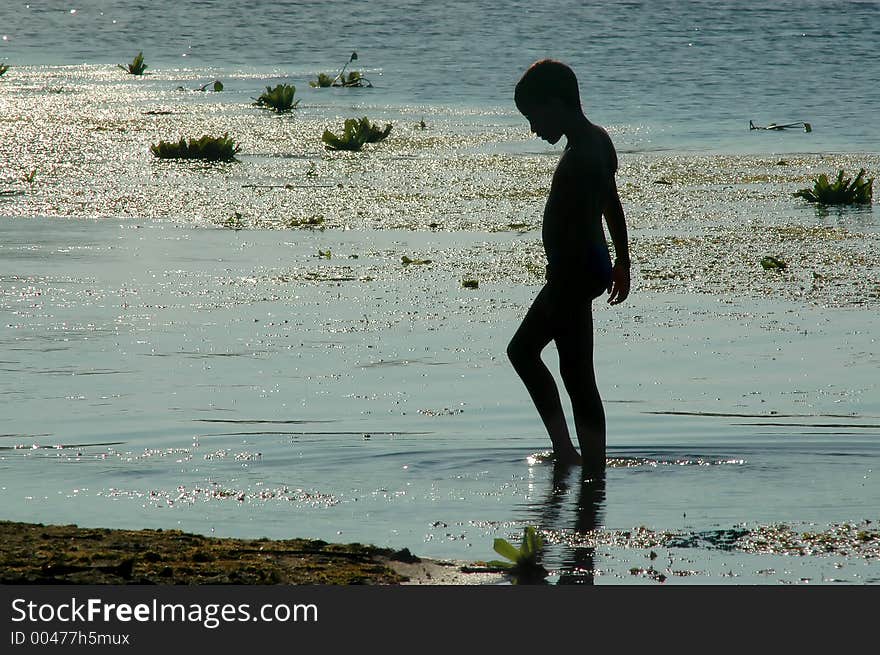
547 95
544 80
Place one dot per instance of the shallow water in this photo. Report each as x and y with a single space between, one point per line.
165 375
161 369
673 73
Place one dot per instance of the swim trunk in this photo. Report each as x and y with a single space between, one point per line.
590 278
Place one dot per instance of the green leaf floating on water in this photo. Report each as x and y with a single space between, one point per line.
771 263
279 98
210 148
355 133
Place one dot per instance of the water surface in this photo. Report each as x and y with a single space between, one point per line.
179 349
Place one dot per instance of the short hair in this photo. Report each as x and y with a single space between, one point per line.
545 79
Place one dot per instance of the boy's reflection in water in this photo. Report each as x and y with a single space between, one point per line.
576 565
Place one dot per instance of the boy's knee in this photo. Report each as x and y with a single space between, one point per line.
513 352
518 354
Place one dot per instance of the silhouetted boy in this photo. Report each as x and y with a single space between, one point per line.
579 266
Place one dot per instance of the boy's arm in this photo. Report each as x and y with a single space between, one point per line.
614 218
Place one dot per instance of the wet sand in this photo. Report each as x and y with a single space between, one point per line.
68 554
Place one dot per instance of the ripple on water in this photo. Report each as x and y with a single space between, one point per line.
639 462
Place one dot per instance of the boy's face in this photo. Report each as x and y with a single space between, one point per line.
545 119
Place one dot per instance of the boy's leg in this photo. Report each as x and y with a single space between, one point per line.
524 351
574 342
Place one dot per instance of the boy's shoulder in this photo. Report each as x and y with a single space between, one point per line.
595 154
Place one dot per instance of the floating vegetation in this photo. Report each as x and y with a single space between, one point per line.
30 177
216 85
324 254
323 81
233 222
309 222
279 98
136 67
771 263
209 148
406 261
356 132
353 79
3 69
525 561
842 191
470 284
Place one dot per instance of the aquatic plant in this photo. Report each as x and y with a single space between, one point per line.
137 65
233 222
356 132
406 261
323 81
842 191
771 263
525 561
309 222
374 133
354 56
30 177
3 69
278 99
210 148
470 284
354 78
216 85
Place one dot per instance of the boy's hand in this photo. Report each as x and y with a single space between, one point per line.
619 287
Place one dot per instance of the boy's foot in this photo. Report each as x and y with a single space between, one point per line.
593 465
568 458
